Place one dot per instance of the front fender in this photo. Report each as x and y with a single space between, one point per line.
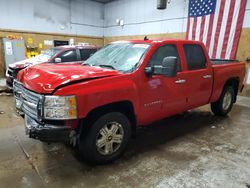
93 94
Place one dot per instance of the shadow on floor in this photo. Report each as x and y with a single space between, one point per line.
164 131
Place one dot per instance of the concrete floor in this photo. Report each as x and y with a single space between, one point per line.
194 149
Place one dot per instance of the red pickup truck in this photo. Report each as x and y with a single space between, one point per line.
127 84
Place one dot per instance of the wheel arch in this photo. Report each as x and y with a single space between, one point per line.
126 107
234 82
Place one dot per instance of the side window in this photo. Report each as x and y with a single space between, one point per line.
68 56
162 52
86 53
195 57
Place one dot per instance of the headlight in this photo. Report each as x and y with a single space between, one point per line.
57 107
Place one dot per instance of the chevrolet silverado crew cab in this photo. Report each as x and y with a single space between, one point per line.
60 54
99 104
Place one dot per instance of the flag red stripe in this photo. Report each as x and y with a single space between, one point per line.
202 27
218 28
209 33
238 28
188 27
194 28
228 27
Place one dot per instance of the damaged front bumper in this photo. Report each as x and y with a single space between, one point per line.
29 105
48 132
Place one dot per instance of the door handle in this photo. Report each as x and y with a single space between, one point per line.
180 81
207 76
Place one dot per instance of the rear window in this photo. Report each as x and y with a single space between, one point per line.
195 57
86 53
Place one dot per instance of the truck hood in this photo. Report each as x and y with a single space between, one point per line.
45 78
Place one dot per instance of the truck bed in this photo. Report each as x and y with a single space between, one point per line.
223 61
223 70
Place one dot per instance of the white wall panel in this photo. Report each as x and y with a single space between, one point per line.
246 22
142 17
56 16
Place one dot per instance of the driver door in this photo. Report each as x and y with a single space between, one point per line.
163 96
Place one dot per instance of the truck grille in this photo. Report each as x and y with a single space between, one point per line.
31 101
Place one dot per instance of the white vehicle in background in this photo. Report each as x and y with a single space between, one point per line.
60 54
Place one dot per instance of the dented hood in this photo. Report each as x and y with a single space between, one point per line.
45 78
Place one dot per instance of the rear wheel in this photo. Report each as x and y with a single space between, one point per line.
106 139
225 103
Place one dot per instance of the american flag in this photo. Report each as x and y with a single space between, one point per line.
218 24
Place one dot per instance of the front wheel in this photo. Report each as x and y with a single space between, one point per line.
106 139
225 103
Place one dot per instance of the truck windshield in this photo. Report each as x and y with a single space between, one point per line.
46 55
123 57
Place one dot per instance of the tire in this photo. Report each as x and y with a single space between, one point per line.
225 103
112 131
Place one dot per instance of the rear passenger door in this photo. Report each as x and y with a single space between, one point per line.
86 53
198 76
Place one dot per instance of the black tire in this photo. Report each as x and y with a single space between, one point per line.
88 144
218 108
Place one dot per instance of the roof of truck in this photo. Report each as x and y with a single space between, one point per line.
152 41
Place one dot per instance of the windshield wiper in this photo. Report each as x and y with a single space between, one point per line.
107 66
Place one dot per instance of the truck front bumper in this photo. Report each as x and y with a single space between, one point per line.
48 132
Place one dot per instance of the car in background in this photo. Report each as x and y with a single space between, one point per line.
60 54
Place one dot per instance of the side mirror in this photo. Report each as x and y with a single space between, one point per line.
168 68
58 60
149 71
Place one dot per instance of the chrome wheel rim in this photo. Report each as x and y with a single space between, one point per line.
109 138
227 100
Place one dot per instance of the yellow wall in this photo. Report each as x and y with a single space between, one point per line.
40 37
153 36
244 45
